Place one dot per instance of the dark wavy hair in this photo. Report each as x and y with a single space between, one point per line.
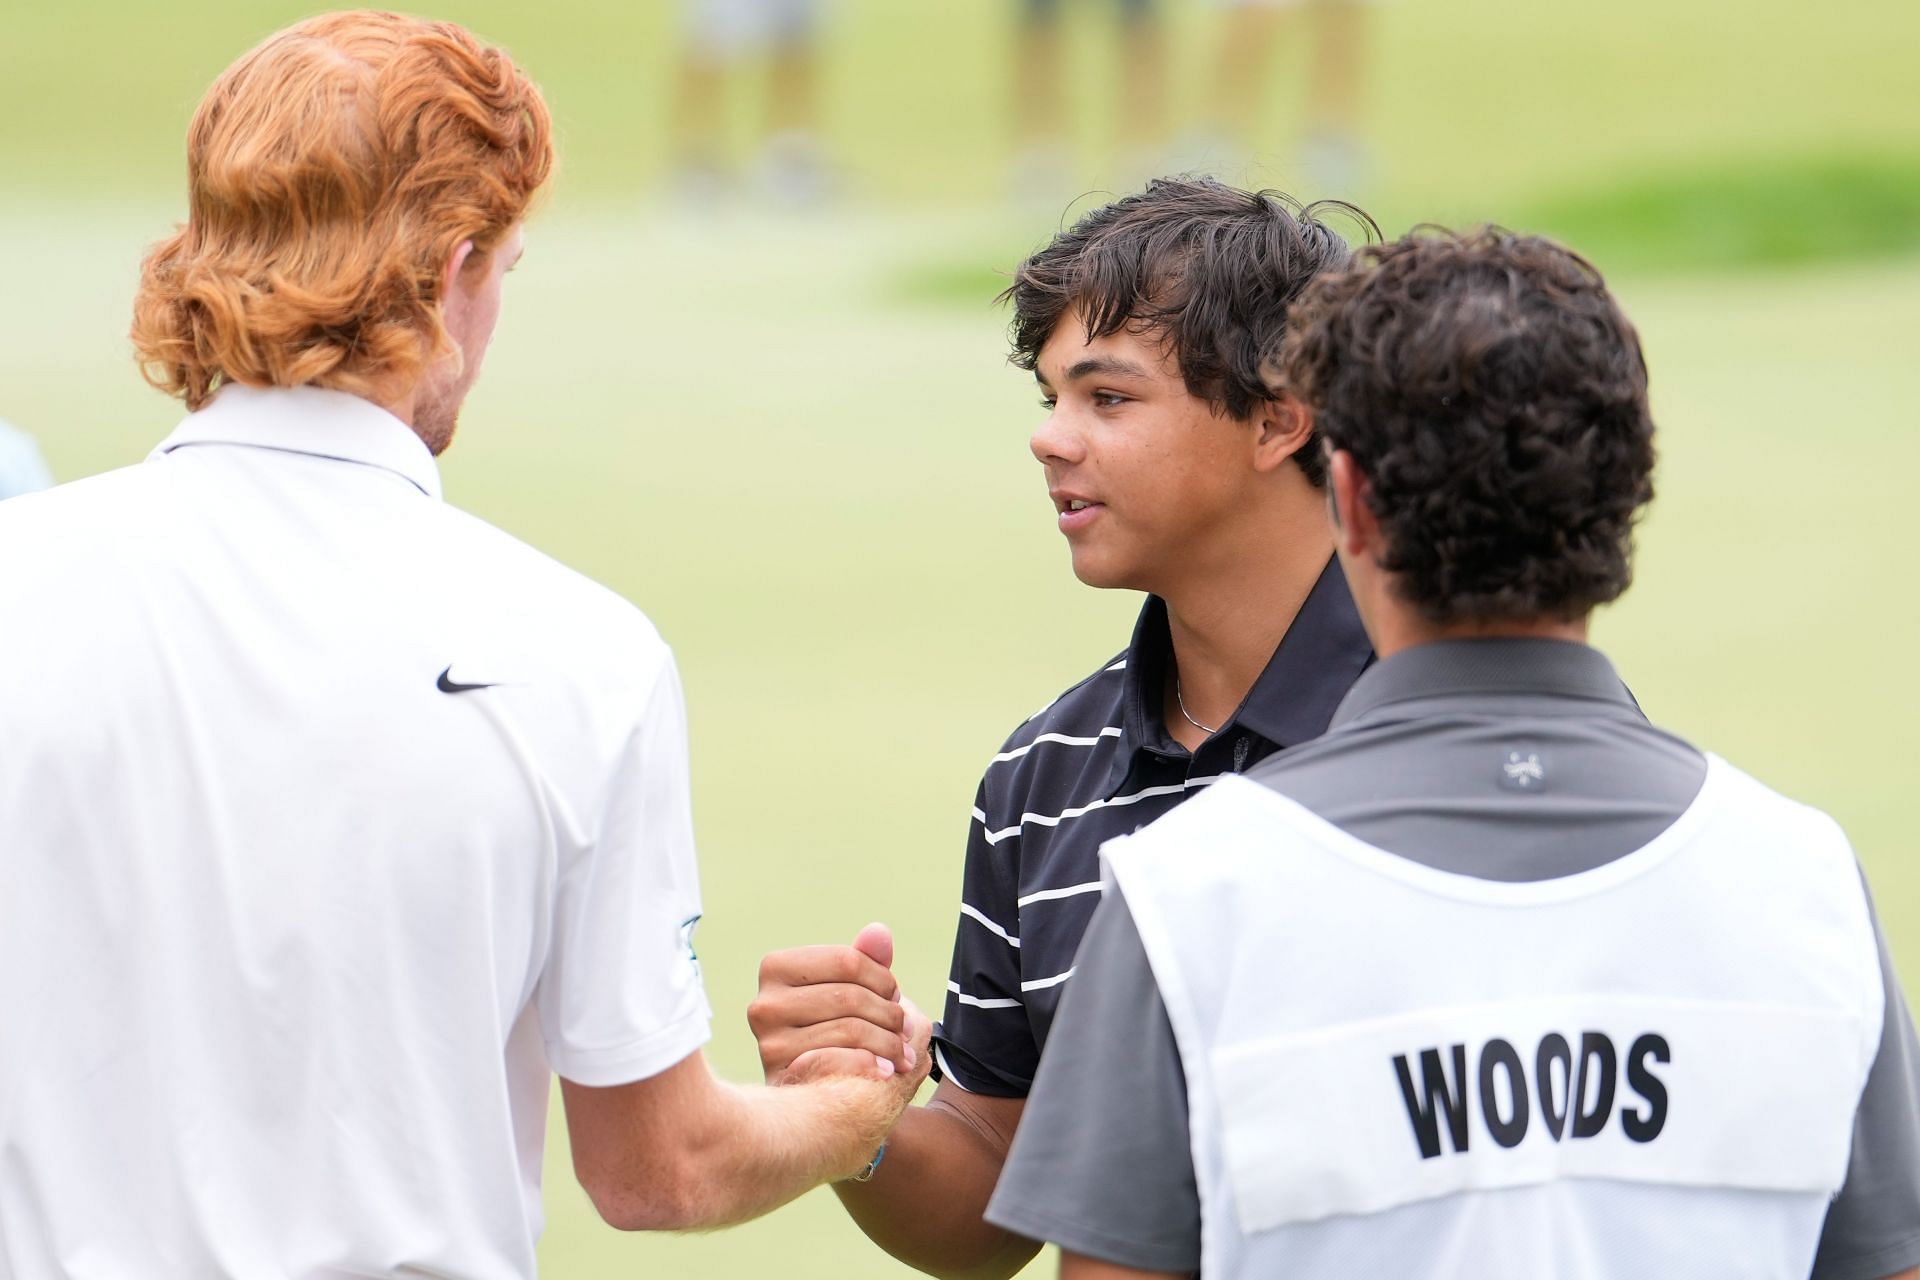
1495 397
1208 267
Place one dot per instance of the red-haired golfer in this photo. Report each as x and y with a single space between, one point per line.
335 819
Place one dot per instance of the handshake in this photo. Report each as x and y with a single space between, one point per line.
827 1011
834 1017
684 1150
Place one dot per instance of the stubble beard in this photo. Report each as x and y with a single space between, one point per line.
435 425
437 415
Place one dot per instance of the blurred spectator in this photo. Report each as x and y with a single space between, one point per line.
722 37
22 470
1332 159
1043 163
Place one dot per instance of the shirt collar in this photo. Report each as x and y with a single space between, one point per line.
1323 652
1487 665
313 421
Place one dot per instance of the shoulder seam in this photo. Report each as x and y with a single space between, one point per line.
1113 665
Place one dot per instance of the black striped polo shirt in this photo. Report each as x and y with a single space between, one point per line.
1097 763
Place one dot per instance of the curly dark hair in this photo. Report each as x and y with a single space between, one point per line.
1210 268
1495 397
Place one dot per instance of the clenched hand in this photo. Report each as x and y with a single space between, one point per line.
836 1010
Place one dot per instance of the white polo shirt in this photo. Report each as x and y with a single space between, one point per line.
331 820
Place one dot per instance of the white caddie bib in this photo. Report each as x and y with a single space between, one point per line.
1650 1067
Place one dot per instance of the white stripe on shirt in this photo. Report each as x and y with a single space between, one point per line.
977 1002
1070 740
1055 819
977 914
1041 983
1072 890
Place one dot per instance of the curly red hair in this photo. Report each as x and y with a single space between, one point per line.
332 172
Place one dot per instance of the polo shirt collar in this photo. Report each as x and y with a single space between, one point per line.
1322 653
313 421
1487 665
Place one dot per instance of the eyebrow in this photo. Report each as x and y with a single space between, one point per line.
1095 365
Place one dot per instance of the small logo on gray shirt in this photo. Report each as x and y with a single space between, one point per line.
1523 769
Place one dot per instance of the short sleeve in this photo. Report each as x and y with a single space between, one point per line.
1873 1226
984 1042
621 996
1102 1163
21 468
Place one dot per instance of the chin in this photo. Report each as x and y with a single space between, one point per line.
435 427
1104 574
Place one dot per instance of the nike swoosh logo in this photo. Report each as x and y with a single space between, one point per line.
447 684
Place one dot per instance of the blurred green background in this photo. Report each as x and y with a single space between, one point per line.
791 438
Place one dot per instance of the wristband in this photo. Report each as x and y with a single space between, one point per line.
866 1174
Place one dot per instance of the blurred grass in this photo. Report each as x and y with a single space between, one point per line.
1760 214
1474 105
1721 217
794 442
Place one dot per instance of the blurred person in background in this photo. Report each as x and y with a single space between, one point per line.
1170 470
1330 155
22 469
1497 978
338 821
723 43
1044 164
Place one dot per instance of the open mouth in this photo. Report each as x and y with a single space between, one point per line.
1077 513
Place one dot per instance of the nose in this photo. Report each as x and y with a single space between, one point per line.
1057 440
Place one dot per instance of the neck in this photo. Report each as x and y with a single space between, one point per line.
420 404
1399 630
1230 609
413 407
401 402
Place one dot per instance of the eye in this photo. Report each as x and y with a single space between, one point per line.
1108 399
1049 403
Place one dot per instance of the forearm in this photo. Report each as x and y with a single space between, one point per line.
763 1147
926 1205
1074 1266
927 1201
685 1151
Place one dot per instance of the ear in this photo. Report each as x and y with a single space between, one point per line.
451 294
1283 426
1356 531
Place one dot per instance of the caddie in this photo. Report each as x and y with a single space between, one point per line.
1497 978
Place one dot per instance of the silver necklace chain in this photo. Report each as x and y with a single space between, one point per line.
1181 702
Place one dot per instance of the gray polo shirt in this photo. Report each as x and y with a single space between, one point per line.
1414 762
